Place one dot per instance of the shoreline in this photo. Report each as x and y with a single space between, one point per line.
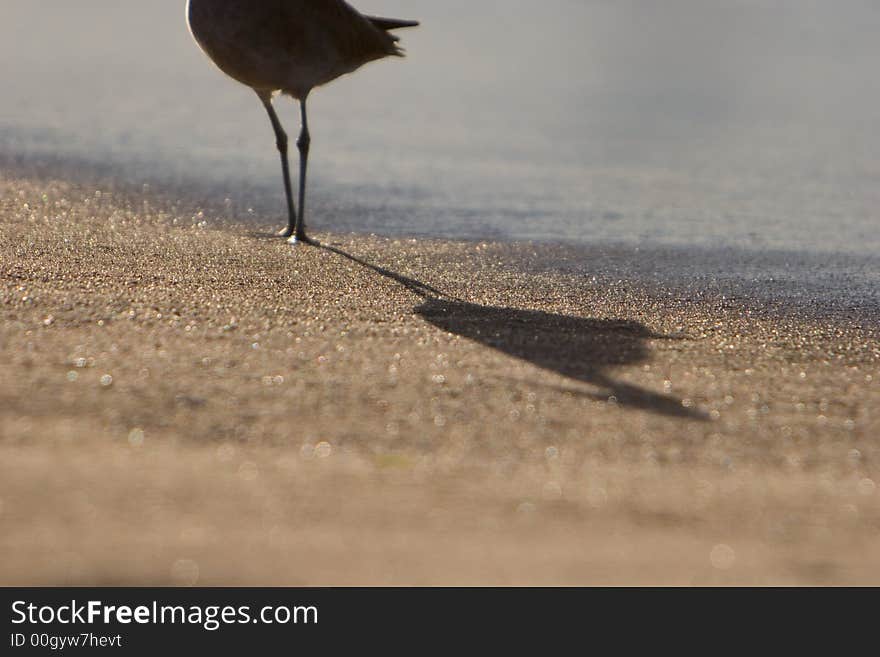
828 285
396 410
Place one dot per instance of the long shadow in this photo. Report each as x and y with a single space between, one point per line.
578 348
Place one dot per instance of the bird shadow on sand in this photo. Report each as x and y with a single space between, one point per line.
578 348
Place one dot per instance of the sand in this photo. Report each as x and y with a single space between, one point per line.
187 400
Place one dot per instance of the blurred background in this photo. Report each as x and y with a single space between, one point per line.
686 122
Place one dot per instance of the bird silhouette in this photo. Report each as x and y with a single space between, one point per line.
291 47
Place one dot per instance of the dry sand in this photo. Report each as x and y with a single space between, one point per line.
185 401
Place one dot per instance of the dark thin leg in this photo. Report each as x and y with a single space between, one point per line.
303 143
281 142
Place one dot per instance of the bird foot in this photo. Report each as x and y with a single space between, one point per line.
285 232
303 239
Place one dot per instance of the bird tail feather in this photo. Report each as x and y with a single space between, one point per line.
391 23
386 24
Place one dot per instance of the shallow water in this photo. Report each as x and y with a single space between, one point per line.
741 124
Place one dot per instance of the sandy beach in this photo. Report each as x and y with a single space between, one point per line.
187 400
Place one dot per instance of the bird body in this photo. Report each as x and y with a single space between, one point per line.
291 46
288 45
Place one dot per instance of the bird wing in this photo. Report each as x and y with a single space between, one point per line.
336 30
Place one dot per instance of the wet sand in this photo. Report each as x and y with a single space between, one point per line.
186 400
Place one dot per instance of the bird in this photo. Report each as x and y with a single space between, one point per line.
290 47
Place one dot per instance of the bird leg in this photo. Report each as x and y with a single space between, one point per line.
303 144
281 142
